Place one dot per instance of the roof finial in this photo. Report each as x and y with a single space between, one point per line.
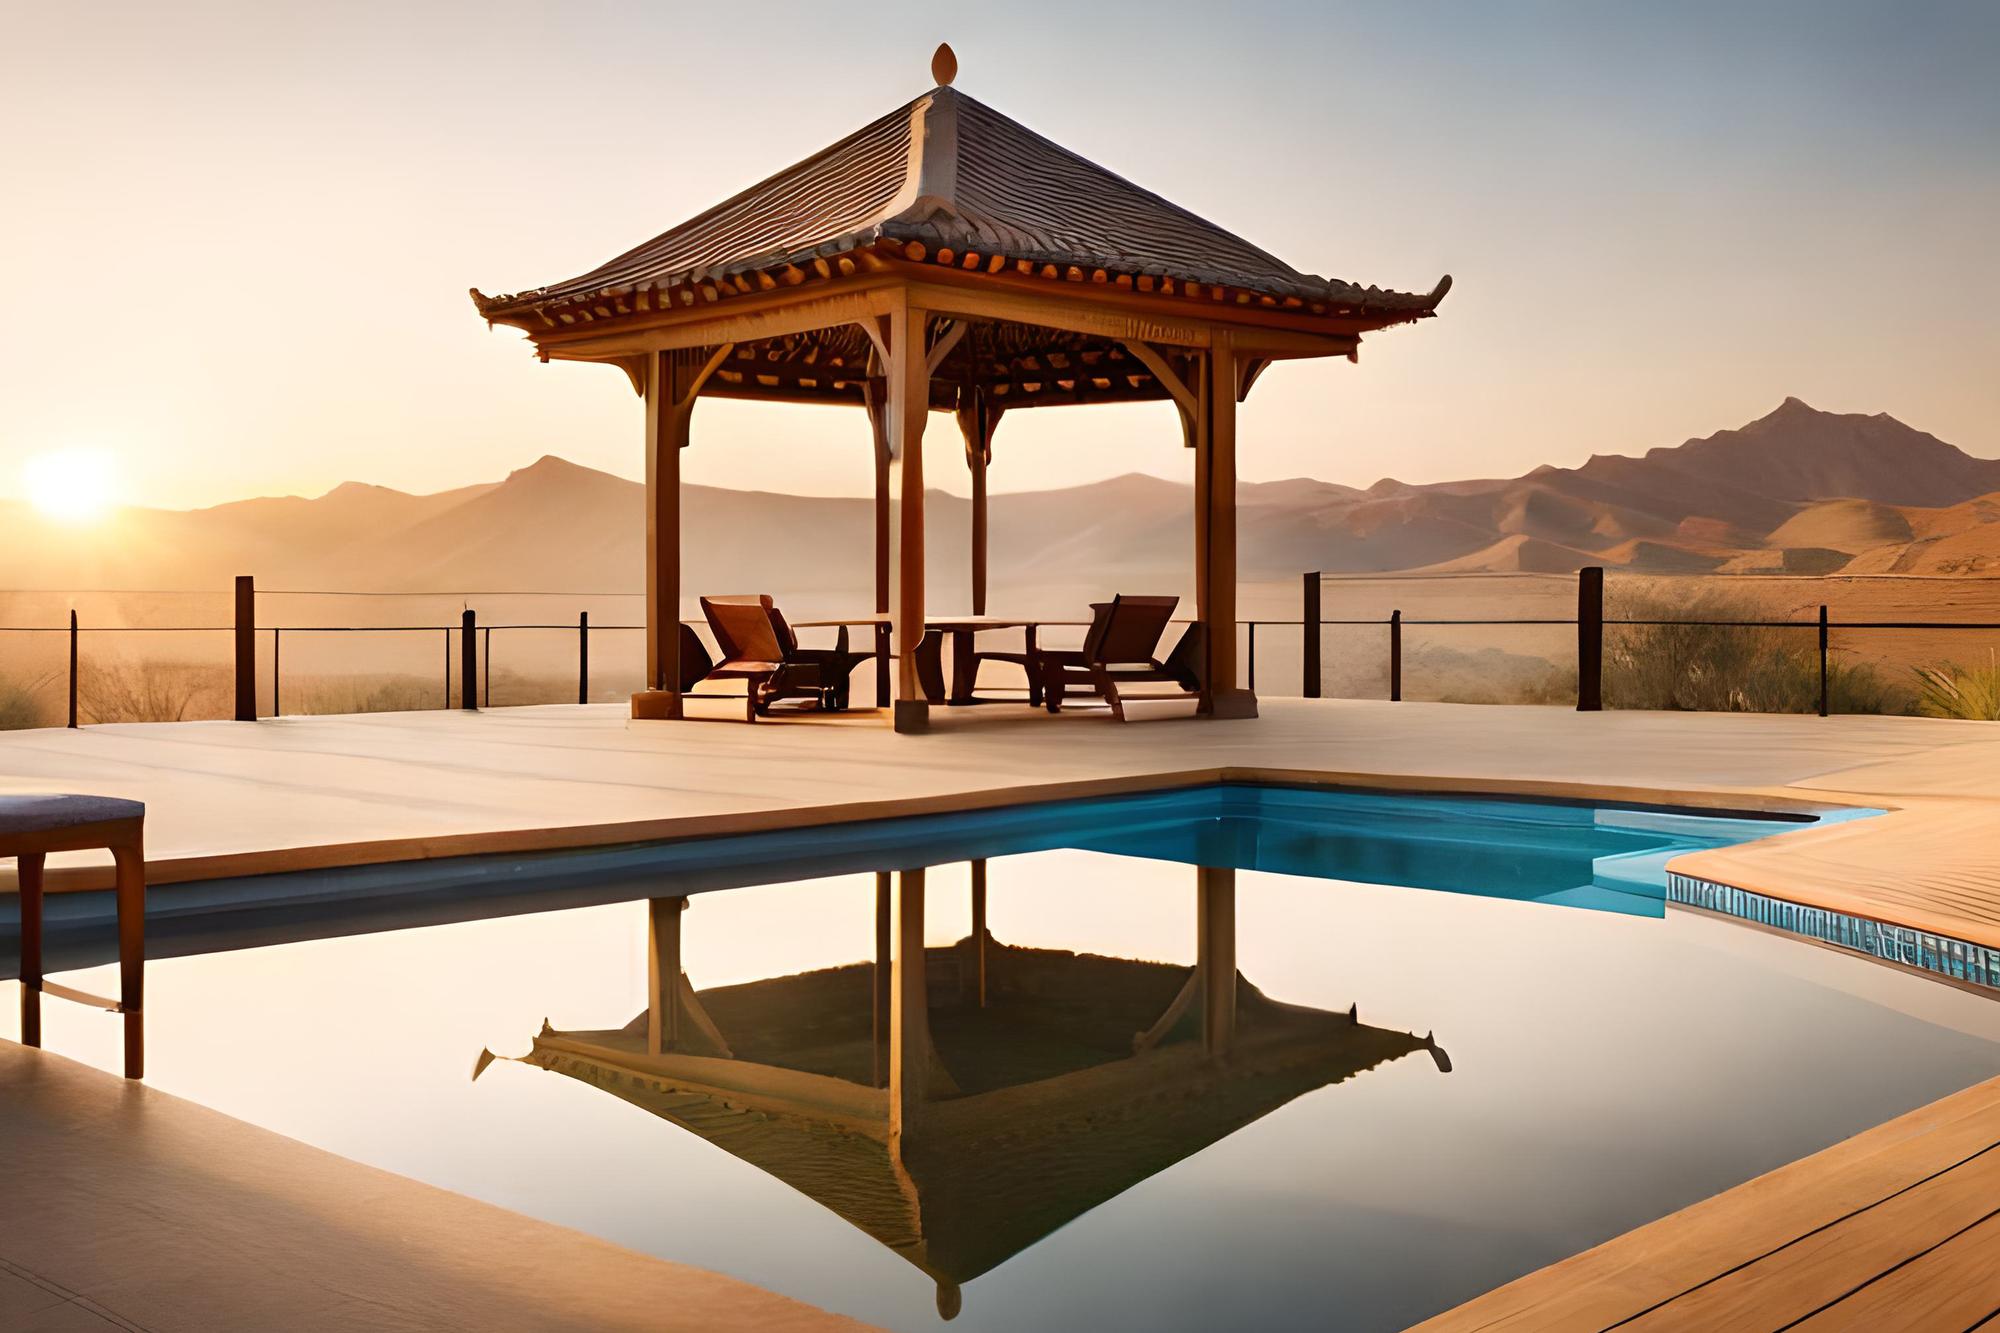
944 65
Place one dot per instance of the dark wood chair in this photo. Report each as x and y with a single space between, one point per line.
1120 649
829 671
1025 660
761 650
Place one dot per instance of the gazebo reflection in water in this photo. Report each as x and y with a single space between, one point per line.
946 258
961 1103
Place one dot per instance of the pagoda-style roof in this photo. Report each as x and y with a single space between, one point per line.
947 180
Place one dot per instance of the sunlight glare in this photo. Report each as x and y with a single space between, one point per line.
71 485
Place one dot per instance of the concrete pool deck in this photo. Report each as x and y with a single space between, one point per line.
227 798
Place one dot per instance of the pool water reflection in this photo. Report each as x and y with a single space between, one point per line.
1086 1149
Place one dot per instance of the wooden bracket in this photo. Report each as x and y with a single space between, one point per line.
948 335
1175 1011
1247 371
1184 397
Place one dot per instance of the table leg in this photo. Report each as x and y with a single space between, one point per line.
964 668
131 861
930 665
28 867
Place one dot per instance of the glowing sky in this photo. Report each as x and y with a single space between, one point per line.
238 237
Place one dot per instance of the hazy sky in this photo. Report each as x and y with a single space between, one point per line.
238 237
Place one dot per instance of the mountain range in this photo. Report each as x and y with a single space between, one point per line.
1796 491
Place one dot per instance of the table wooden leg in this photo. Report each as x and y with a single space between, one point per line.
964 667
930 666
132 953
29 868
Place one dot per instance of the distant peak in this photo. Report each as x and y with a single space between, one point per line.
548 465
349 490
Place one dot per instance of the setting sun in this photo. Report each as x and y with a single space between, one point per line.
73 485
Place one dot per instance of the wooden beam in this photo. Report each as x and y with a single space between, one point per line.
979 932
740 319
884 972
674 380
663 972
1215 956
909 1012
1215 498
878 423
976 418
908 403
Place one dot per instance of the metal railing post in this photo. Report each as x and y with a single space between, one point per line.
468 661
1822 660
447 667
1590 639
72 668
486 665
583 657
1250 667
246 648
1309 666
1395 657
275 658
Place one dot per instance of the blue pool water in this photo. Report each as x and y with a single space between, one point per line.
1574 854
1474 1038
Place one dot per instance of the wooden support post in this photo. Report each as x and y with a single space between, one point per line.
979 932
976 419
909 1010
246 648
131 882
583 657
673 381
1395 657
884 963
72 669
1215 529
1822 660
1215 956
1590 639
663 973
1309 615
877 392
28 870
909 406
468 660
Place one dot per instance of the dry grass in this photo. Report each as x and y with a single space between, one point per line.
1963 692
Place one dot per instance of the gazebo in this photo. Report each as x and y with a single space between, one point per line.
945 258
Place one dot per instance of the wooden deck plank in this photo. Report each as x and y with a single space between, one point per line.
1807 1273
1954 1286
1658 1262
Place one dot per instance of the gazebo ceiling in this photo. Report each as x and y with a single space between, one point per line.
946 180
1018 365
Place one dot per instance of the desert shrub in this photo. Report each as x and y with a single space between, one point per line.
1723 668
20 704
362 694
1488 676
153 692
1962 692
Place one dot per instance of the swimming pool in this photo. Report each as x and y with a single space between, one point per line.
1429 1092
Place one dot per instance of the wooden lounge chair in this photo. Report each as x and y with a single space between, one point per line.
761 650
1121 649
